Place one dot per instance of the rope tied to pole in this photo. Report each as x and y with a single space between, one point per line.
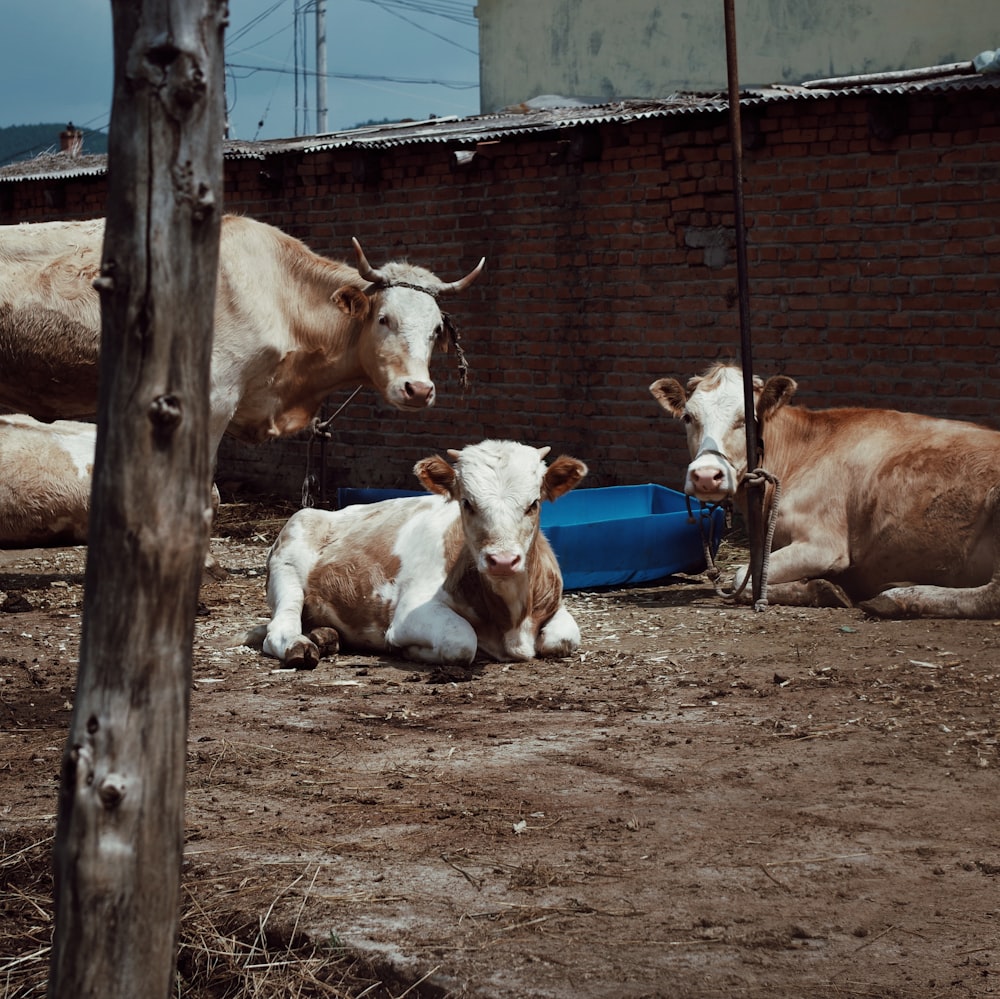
318 430
761 478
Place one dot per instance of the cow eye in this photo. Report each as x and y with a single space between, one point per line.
687 418
383 320
438 331
532 508
468 507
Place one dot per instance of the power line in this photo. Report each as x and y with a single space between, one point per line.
238 33
452 84
387 6
450 10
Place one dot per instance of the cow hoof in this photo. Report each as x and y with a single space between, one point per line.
827 594
884 607
302 655
215 570
558 650
327 640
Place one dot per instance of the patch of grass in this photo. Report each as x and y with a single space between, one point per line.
227 949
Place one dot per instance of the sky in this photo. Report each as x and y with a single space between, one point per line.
386 59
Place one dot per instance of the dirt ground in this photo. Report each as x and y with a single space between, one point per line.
704 802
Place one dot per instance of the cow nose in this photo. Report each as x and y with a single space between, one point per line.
707 480
419 392
503 563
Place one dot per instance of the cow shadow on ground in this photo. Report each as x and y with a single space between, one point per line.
19 581
670 591
433 673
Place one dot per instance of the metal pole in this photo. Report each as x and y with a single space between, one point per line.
321 125
755 492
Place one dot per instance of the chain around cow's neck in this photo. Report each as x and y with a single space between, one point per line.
382 285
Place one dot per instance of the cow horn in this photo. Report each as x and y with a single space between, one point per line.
365 269
463 283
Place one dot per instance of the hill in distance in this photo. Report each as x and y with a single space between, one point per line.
23 142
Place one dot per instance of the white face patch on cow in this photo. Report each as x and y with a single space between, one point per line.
499 485
407 325
716 431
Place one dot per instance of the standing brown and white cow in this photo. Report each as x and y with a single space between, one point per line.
896 510
439 578
290 326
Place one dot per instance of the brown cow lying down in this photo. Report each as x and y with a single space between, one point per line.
439 578
894 510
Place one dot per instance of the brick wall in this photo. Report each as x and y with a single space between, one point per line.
873 250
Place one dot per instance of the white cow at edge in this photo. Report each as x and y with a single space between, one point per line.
443 578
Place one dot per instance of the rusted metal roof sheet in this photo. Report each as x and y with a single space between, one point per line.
527 119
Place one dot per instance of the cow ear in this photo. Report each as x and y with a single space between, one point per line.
670 394
436 475
352 301
776 393
561 476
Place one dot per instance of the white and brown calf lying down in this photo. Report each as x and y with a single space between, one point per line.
437 579
896 511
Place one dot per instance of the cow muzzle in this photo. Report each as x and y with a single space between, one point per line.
503 564
411 393
711 477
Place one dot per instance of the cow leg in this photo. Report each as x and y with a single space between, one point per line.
213 566
434 633
927 600
797 574
560 636
796 593
286 595
937 601
301 654
305 652
809 558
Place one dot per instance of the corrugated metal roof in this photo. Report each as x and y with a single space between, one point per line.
542 115
46 166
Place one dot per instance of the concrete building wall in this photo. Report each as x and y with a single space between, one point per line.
652 48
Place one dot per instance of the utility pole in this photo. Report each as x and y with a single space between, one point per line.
321 123
754 489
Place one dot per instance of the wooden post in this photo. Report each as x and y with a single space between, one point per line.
120 832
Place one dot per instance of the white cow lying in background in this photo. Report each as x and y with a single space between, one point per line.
45 475
897 510
46 471
435 578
